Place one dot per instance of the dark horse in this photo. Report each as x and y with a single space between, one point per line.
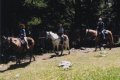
17 47
99 40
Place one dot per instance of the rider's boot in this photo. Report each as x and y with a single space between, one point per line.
27 46
103 36
61 40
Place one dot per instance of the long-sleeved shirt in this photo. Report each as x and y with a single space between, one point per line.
61 30
22 33
100 26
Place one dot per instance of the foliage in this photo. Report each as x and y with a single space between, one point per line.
74 13
35 3
34 21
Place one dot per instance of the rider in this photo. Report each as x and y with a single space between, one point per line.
61 31
23 34
101 27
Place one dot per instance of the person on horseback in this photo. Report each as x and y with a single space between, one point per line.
61 31
101 27
23 34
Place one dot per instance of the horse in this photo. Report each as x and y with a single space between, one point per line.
56 41
91 34
17 47
98 39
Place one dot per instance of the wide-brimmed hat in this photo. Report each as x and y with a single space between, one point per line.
100 19
22 25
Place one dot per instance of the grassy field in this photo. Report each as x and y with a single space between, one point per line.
86 66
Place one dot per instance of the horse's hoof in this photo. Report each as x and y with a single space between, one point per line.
17 63
60 54
34 60
57 54
69 53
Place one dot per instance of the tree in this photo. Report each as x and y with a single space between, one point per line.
116 11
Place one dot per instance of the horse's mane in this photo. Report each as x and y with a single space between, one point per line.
90 30
54 35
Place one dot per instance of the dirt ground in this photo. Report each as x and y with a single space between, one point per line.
47 56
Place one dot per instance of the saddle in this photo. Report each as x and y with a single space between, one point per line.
23 43
103 34
61 40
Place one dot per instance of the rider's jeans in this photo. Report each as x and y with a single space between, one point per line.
103 32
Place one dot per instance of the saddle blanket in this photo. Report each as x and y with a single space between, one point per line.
22 41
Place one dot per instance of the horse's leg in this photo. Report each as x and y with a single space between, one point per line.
104 47
100 45
18 59
110 44
111 41
106 43
31 56
68 48
96 44
61 49
55 49
5 57
95 48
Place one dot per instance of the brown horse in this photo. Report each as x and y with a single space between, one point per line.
94 34
17 46
91 33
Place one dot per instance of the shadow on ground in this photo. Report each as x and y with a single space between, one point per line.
15 66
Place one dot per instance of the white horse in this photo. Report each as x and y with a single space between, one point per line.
56 42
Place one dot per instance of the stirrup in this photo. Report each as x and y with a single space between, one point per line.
28 47
104 38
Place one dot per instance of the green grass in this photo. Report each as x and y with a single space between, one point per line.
86 66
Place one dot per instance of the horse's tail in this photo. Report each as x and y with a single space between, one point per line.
112 40
31 42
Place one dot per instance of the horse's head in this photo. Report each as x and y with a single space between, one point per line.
6 41
48 34
4 37
52 35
